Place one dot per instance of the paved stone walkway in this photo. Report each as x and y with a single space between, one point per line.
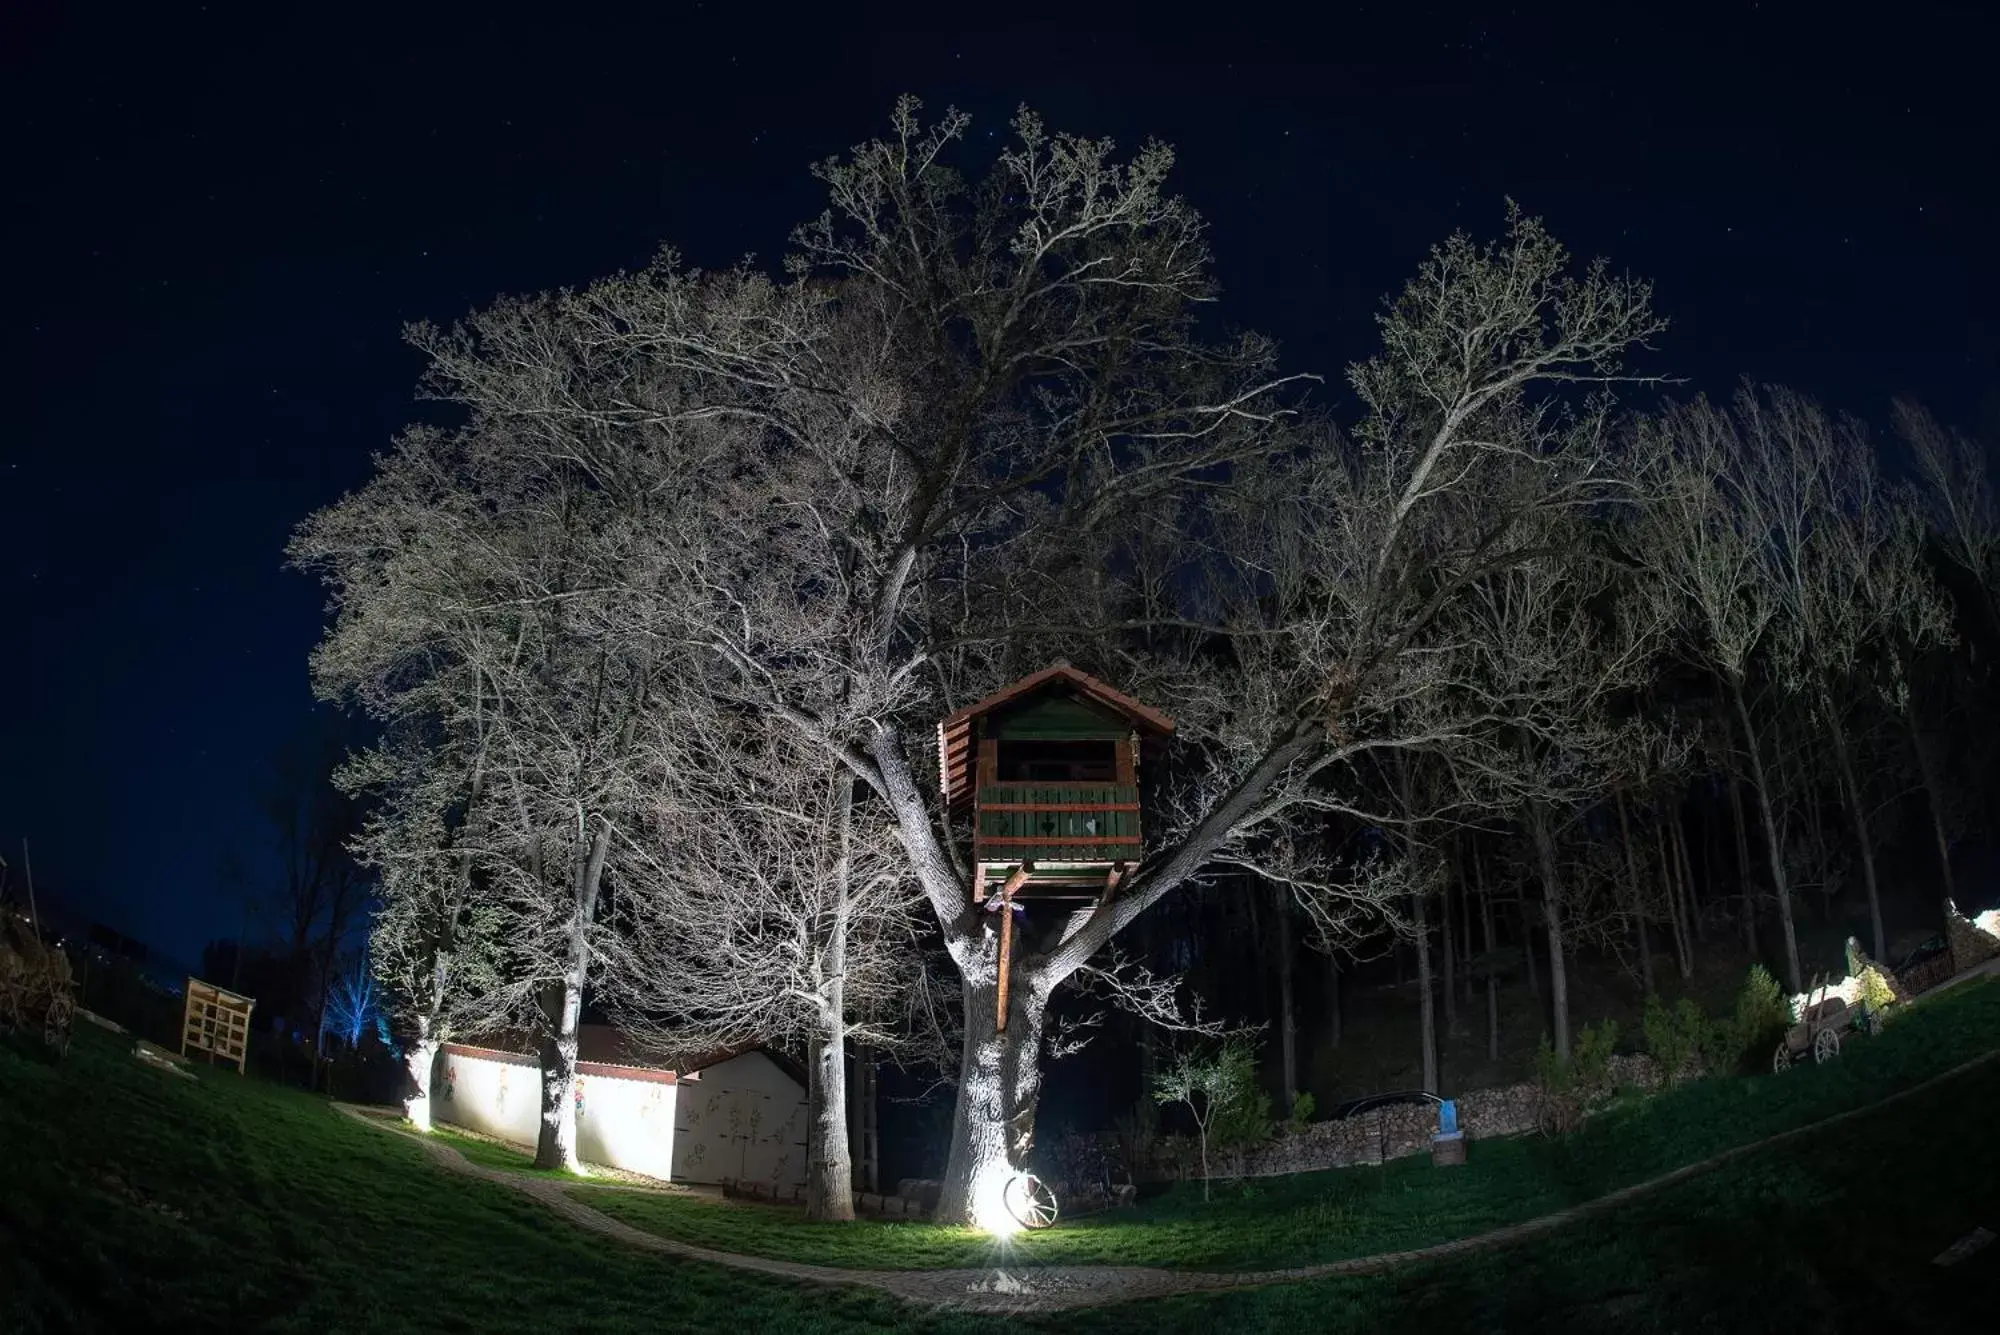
1052 1288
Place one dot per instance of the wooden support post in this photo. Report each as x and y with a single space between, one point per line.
1110 886
1007 889
1006 958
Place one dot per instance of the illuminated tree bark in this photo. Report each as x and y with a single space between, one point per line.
829 1169
555 1139
419 1063
999 1083
829 1165
562 1011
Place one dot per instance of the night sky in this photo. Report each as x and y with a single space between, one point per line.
217 222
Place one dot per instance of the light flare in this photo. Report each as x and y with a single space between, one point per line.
989 1201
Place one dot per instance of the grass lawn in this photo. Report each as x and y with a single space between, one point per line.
491 1153
1834 1232
132 1201
1274 1222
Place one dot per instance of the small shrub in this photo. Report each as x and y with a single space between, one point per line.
1246 1118
1678 1039
1744 1040
1219 1088
1876 994
1560 1108
1571 1086
1590 1060
1302 1111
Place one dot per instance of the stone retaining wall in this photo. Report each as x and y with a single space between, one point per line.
1973 941
1374 1136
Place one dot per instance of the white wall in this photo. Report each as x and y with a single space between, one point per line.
487 1095
626 1124
742 1120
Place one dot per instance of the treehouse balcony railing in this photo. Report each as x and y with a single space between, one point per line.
1057 823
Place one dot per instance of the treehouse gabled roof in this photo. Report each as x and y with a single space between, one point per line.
955 730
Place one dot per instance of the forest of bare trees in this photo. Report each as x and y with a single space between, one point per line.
657 635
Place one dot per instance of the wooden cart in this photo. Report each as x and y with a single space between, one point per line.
34 985
1819 1028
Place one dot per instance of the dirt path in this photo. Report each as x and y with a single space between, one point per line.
1034 1288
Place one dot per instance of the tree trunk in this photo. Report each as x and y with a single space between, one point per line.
1528 948
1545 853
863 1148
999 1079
829 1170
1743 883
1857 815
1448 974
1774 846
1670 892
562 1010
418 1064
1635 900
1288 1033
871 1133
1688 883
562 1013
1426 1003
1201 1129
1927 775
1492 979
1690 911
1465 935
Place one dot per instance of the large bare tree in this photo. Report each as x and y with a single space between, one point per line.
1564 650
924 453
1826 517
767 902
1703 539
436 944
1047 380
483 585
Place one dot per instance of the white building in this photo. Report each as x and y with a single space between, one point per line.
723 1118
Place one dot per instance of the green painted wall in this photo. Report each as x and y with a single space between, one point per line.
1056 718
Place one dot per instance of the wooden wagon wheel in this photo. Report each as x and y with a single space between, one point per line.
57 1023
1030 1201
1781 1060
1826 1045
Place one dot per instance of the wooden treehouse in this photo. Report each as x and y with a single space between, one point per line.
1049 770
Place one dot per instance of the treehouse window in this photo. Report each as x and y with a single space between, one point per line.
1093 761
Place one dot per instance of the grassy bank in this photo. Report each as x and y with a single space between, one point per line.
1833 1232
1273 1222
134 1201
